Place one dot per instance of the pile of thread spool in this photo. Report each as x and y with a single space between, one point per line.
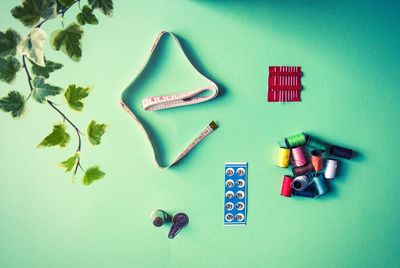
309 177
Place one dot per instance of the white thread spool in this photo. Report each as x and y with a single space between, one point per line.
330 170
300 183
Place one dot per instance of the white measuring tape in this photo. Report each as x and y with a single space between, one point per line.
190 97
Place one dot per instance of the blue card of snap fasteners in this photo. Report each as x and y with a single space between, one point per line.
235 194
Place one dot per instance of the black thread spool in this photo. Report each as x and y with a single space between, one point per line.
340 152
297 171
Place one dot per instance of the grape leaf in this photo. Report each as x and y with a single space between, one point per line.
8 69
58 137
95 131
45 71
8 42
68 41
106 6
32 10
74 95
42 90
70 162
92 174
32 46
14 103
87 16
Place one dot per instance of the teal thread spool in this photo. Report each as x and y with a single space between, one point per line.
317 143
295 140
320 184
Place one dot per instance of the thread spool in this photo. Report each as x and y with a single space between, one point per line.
159 217
317 143
283 157
287 186
298 157
330 170
316 159
320 184
340 152
295 140
297 171
300 183
310 193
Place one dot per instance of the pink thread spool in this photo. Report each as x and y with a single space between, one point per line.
298 157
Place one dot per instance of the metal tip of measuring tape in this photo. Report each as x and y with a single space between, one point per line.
213 125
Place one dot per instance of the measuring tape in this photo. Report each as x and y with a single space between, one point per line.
190 97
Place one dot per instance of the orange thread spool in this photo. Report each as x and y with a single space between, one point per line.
316 159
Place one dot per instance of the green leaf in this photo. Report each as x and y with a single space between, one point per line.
74 95
70 163
92 174
68 41
32 46
106 6
95 131
42 90
32 10
58 137
87 16
50 67
8 69
8 42
66 3
14 103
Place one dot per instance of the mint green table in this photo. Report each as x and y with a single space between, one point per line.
349 51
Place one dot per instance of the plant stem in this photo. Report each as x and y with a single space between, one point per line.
53 105
28 75
61 12
78 132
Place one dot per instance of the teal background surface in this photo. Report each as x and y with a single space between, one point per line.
349 51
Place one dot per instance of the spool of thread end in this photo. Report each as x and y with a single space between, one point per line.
159 217
316 159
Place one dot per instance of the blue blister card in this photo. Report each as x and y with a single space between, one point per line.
235 209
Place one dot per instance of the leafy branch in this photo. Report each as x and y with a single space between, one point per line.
34 14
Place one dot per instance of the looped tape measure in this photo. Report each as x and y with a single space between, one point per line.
189 97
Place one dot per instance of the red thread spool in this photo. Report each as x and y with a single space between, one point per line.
316 159
287 189
298 157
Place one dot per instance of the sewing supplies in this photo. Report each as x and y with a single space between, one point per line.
179 221
320 184
298 157
159 217
316 159
296 140
174 100
330 170
301 182
287 189
317 143
235 207
297 171
284 84
340 152
310 177
283 157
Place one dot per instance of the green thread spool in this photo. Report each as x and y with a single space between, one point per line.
317 144
296 140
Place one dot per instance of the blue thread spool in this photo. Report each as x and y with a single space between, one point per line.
310 193
320 184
